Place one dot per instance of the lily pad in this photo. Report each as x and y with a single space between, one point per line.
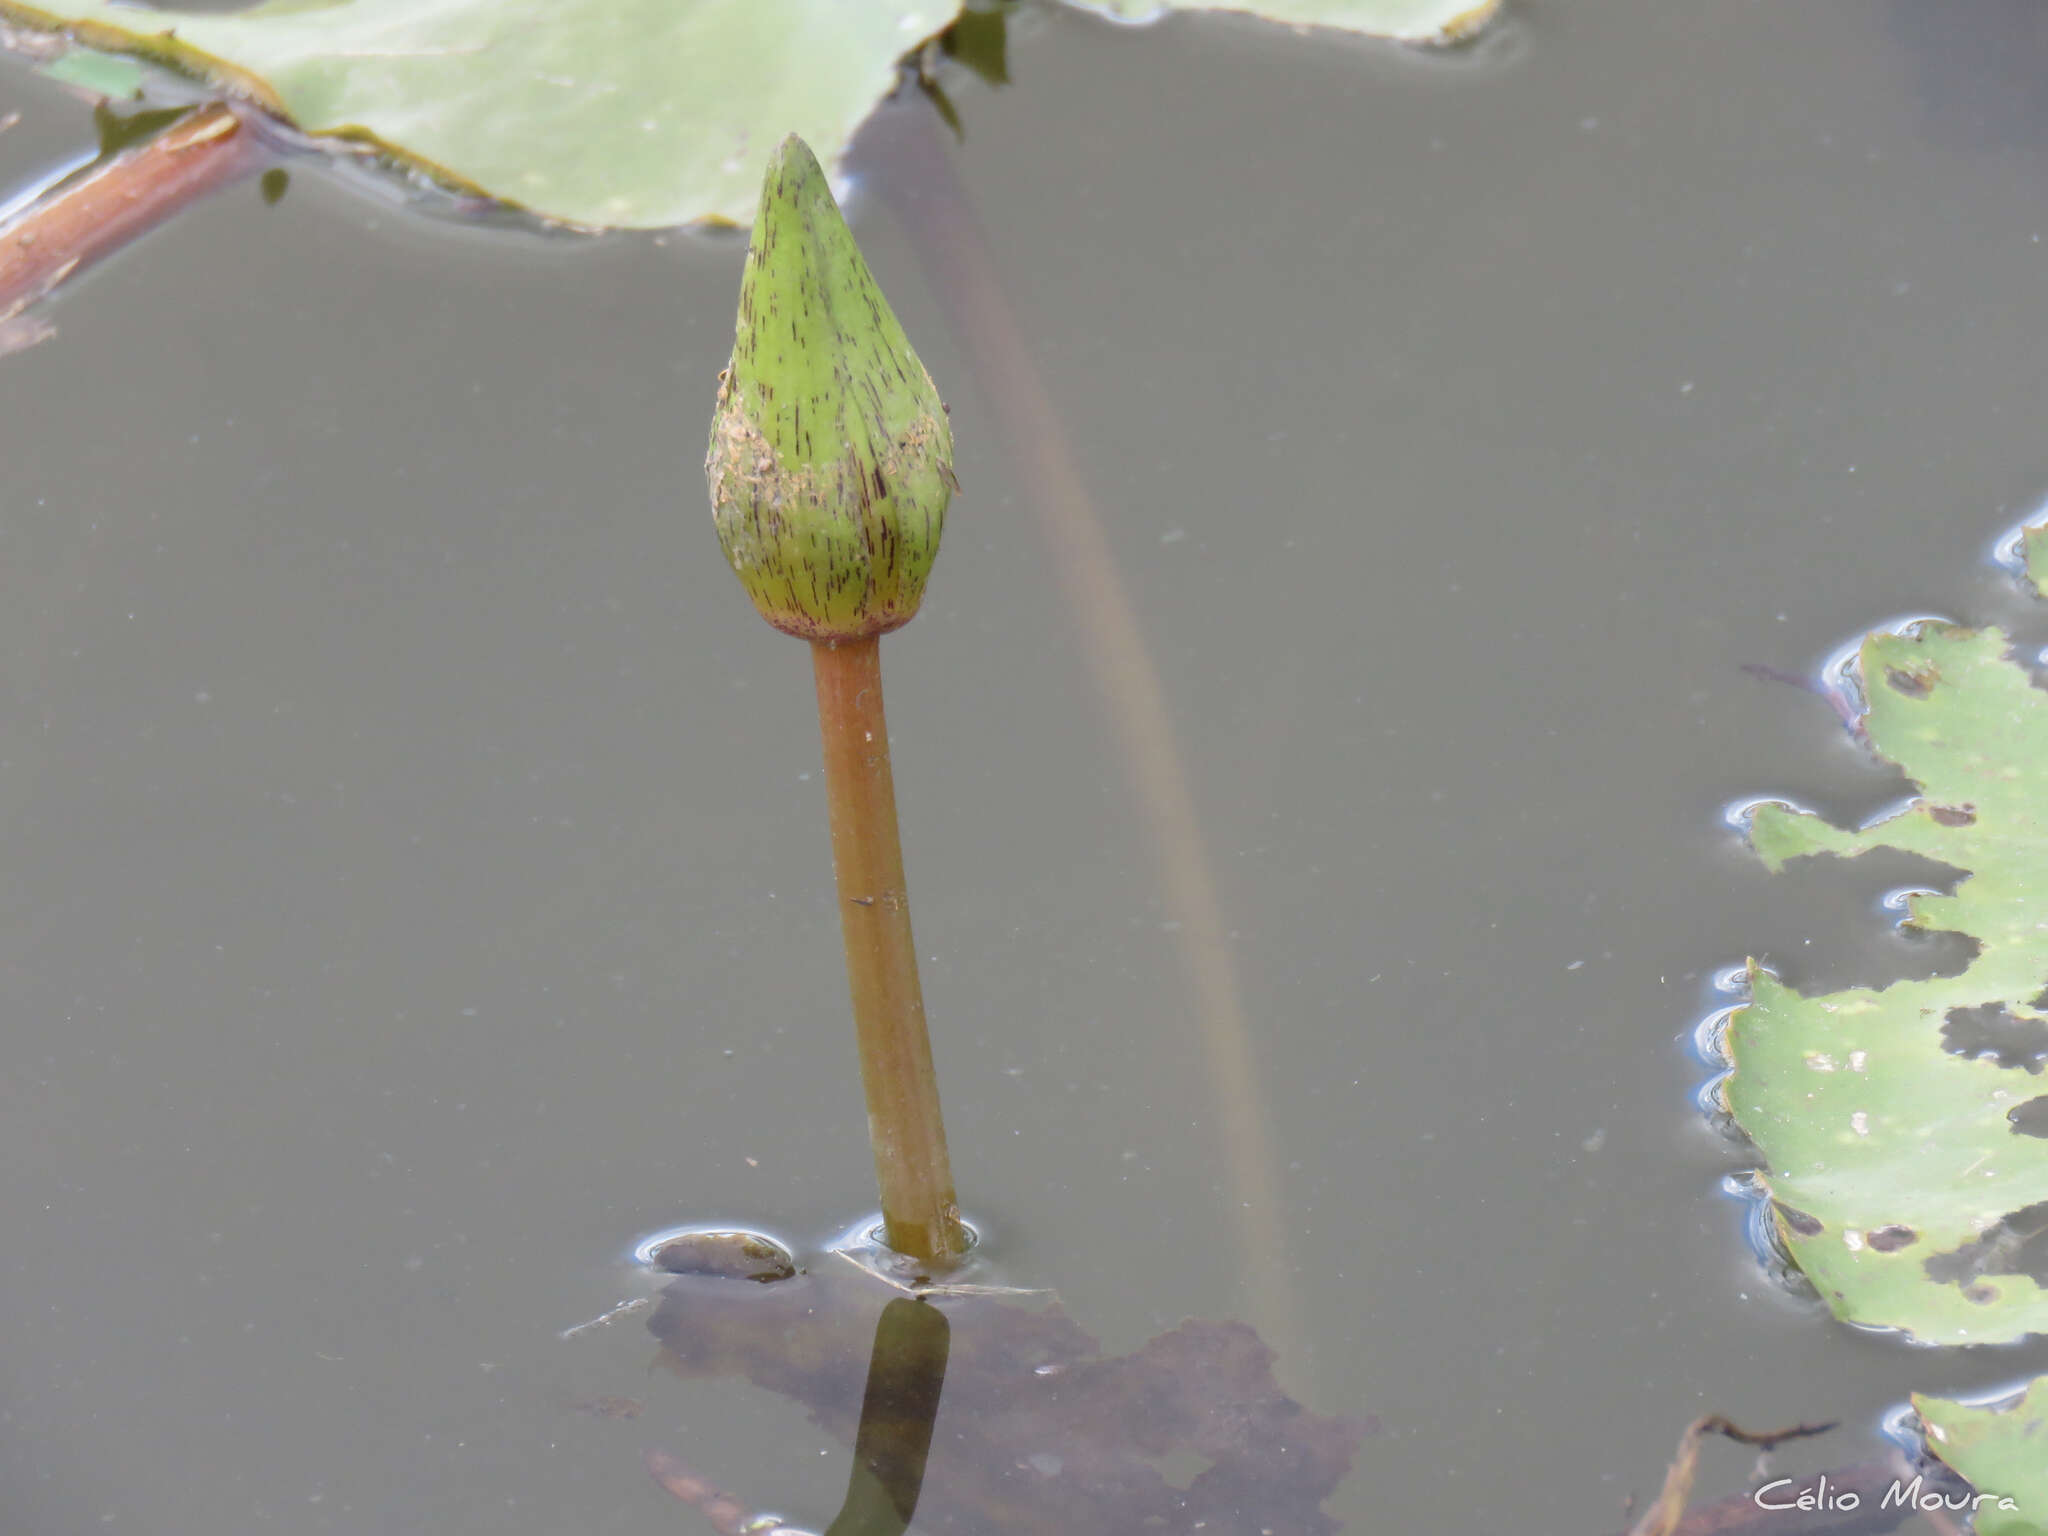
604 113
627 113
1901 1129
2002 1448
1413 21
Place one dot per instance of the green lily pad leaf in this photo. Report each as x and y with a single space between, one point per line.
1411 21
627 113
1902 1130
104 74
2034 550
2002 1448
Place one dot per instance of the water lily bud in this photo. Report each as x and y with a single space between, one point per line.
831 459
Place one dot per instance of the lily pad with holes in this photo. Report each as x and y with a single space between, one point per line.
2002 1448
606 113
1902 1130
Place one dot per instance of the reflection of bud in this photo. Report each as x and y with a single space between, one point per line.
831 459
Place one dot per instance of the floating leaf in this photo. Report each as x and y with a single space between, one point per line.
2034 548
1901 1129
1413 21
634 113
604 113
2002 1448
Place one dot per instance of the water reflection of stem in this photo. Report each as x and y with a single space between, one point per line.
911 1165
915 178
1665 1516
102 209
906 1376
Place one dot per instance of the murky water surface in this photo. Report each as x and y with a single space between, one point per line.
415 872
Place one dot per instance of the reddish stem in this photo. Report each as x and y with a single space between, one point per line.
918 1205
102 209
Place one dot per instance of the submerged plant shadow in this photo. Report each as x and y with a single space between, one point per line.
1037 1430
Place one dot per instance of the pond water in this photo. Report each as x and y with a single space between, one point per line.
416 881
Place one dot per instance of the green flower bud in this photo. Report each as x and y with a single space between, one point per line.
831 459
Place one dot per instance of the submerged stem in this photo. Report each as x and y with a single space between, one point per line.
918 1204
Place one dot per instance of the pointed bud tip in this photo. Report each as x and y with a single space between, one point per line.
792 171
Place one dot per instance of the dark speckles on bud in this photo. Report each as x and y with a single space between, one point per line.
831 458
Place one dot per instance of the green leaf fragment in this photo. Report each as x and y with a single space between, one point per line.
1413 21
2002 1448
1892 1166
607 113
1906 1167
2034 550
104 74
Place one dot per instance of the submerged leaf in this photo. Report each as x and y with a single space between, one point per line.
1904 1162
1038 1431
2002 1448
104 74
633 113
1413 21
